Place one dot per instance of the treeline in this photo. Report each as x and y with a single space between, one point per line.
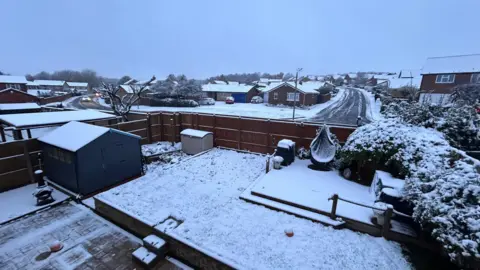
86 75
250 77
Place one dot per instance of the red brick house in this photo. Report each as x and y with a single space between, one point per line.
441 74
14 82
11 95
285 93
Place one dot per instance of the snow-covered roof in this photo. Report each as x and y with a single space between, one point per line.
130 81
36 92
401 82
32 83
49 82
128 88
13 79
226 88
195 132
77 84
452 64
352 75
306 87
18 106
267 80
49 118
73 135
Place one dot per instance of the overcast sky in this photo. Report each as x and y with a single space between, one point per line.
206 38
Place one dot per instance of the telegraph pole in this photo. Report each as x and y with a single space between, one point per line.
295 93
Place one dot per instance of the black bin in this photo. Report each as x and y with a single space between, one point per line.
286 150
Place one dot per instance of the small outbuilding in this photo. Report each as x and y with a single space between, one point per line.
84 158
195 141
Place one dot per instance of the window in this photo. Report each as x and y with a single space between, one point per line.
445 78
475 78
275 95
13 85
291 95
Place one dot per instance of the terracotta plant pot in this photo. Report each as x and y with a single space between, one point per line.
289 232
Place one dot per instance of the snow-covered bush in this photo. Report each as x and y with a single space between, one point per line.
466 94
171 102
441 181
459 123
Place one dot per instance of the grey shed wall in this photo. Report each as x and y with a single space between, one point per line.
58 171
108 160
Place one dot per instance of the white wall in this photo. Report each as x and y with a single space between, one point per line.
434 98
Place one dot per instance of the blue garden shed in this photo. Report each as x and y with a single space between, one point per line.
84 158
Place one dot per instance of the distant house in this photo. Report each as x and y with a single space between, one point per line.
78 86
285 93
11 95
441 74
40 92
52 85
13 82
129 90
242 93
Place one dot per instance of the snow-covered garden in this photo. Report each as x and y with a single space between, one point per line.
203 192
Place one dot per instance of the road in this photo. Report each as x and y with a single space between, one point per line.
346 110
82 105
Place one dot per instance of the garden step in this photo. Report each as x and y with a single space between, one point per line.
155 244
145 257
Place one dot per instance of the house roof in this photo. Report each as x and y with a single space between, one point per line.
18 106
50 118
306 87
401 82
49 82
77 84
32 83
16 90
226 88
452 64
130 81
13 79
73 135
267 80
36 92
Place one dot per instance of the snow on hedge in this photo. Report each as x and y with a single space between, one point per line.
442 181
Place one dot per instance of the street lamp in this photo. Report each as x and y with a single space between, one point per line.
295 93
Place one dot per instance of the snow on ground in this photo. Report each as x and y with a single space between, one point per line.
299 184
203 192
20 201
247 109
373 107
160 147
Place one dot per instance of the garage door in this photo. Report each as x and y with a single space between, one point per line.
239 98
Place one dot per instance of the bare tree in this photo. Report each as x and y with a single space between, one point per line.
122 103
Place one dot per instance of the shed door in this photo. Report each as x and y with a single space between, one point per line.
115 163
240 98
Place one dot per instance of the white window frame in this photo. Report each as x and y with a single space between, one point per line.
13 85
475 78
445 78
275 95
291 95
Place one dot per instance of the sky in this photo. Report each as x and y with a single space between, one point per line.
210 37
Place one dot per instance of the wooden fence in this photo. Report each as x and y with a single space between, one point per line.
18 159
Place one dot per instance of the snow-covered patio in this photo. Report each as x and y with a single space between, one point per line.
203 192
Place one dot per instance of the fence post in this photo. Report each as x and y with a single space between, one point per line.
161 126
333 213
268 136
2 133
29 133
386 221
28 161
239 131
149 128
174 139
214 131
267 168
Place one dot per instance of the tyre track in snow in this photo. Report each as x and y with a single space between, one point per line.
345 112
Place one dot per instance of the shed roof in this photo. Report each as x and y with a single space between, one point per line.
16 90
195 132
49 82
226 88
13 79
50 118
77 84
452 64
18 106
73 135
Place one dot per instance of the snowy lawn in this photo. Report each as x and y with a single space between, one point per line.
247 109
160 147
299 184
204 192
20 201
